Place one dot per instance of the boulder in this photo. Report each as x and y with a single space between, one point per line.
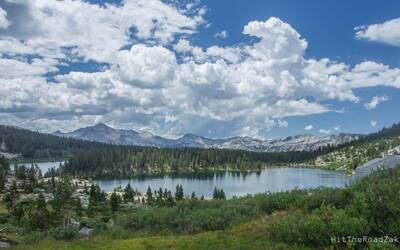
4 244
75 224
86 232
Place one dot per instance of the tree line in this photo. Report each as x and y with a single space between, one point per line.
86 158
39 145
122 161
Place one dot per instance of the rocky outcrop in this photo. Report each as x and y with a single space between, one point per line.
389 161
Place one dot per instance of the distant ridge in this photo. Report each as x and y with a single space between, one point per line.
106 134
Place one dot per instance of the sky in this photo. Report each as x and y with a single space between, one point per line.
219 69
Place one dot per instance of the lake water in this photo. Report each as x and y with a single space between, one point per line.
236 183
44 166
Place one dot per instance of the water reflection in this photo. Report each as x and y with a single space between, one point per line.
43 166
237 183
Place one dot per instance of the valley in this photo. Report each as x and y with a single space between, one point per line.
199 125
119 196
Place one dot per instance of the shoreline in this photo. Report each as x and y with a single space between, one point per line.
203 171
167 171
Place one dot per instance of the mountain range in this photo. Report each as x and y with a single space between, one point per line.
103 133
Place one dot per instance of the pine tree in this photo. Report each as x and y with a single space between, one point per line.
90 210
169 201
129 194
92 194
222 195
159 197
218 194
41 203
11 198
149 195
63 202
78 206
179 193
115 201
41 218
4 169
215 193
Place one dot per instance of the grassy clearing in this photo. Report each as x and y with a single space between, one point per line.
251 235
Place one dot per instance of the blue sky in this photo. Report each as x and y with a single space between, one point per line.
328 26
222 68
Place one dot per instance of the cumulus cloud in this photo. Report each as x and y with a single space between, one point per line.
10 68
70 29
155 79
309 127
334 129
387 32
337 128
146 67
4 23
222 34
373 123
280 43
325 131
213 53
375 101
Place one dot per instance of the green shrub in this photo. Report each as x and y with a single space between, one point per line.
4 218
337 198
343 225
278 201
313 231
60 233
33 237
285 229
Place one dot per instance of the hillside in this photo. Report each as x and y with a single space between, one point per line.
99 159
109 159
17 142
290 220
349 156
248 236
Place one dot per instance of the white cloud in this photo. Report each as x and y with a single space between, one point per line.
213 53
70 29
224 91
309 127
4 23
373 123
283 124
371 74
387 32
10 68
375 101
280 43
147 67
223 34
325 131
183 46
334 129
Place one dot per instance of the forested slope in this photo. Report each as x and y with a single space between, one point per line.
32 144
126 161
96 159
